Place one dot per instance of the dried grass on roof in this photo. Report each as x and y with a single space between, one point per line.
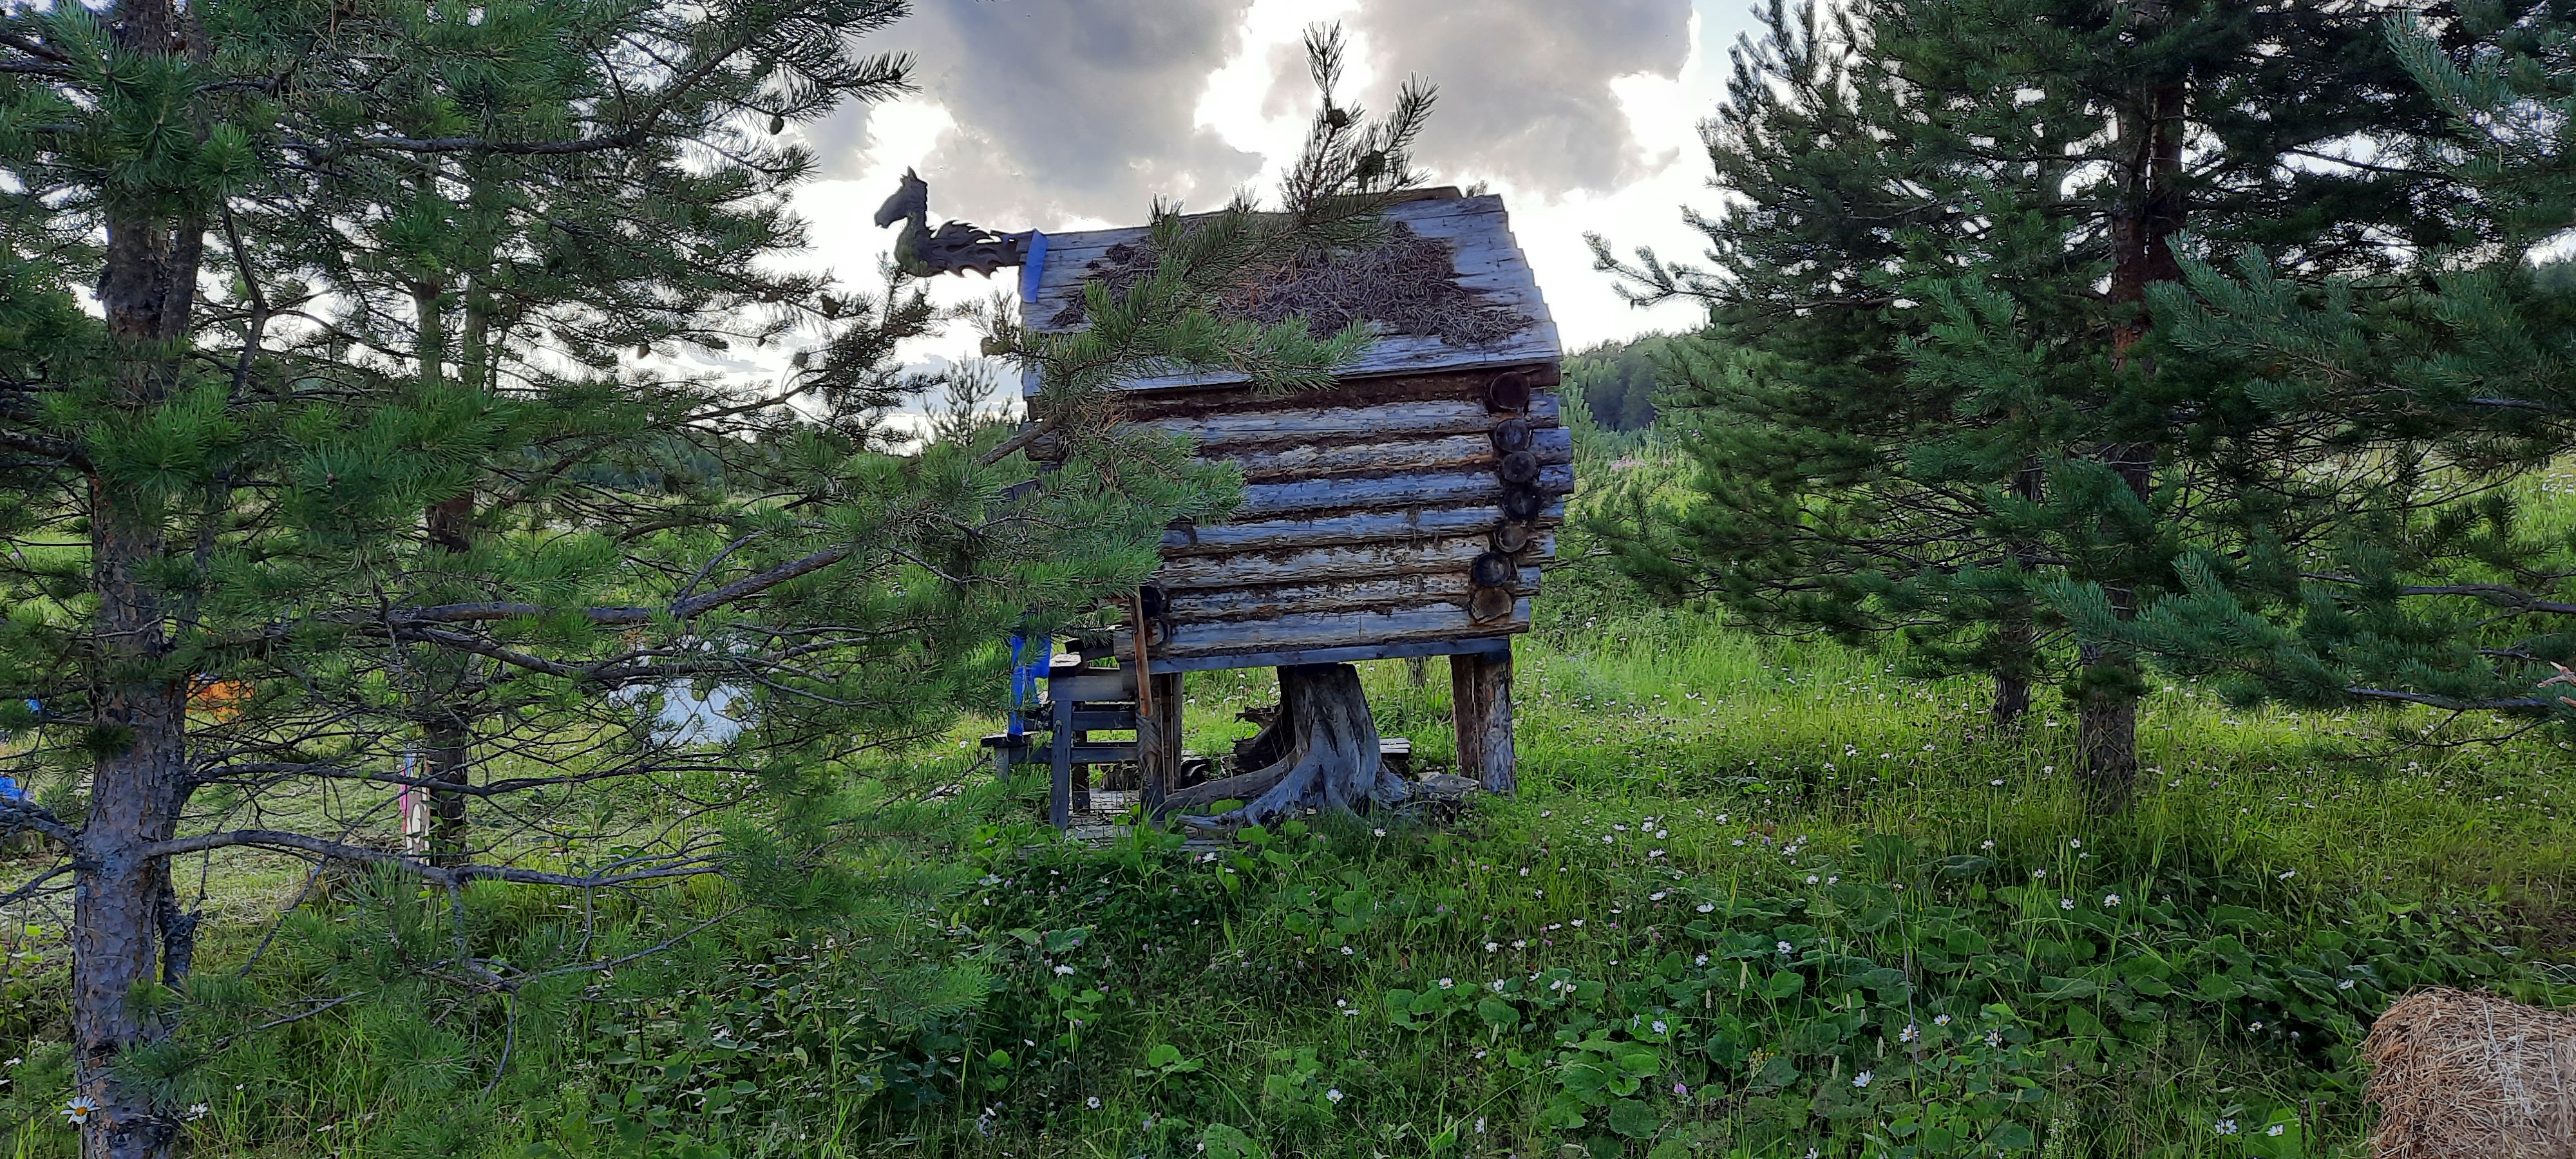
1406 284
2461 1075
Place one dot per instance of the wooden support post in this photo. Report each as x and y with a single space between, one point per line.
1480 690
1158 738
1060 786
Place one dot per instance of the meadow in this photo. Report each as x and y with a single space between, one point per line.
1756 899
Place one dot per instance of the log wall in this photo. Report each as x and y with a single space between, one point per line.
1374 514
1406 511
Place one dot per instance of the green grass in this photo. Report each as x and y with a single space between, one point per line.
1287 997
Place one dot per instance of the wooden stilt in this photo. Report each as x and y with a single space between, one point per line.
1464 716
1060 759
1158 738
1480 689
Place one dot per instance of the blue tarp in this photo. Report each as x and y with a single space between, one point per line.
9 790
1028 664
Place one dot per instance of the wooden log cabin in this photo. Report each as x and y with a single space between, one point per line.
1407 511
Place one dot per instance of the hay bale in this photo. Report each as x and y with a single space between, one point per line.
2460 1075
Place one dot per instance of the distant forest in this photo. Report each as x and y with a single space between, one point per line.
1617 381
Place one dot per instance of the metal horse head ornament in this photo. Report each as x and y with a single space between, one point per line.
911 201
955 247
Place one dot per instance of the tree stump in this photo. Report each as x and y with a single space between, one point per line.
1331 758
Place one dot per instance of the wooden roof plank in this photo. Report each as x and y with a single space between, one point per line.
1487 260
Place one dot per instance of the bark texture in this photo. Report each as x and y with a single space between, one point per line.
2106 738
1331 760
2012 699
128 931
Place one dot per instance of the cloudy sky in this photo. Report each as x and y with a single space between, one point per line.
1075 114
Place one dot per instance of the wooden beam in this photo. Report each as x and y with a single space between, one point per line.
1220 432
1060 767
1357 595
1093 684
1437 489
1353 561
1158 739
1434 621
1352 654
1548 447
1480 689
1410 523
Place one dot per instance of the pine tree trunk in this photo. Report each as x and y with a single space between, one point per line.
1331 763
127 931
2017 642
444 755
2106 743
2012 699
2151 213
448 527
121 904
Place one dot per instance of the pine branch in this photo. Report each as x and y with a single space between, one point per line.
627 616
2509 704
284 841
36 48
19 814
68 454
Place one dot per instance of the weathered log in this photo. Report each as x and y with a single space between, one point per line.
1445 453
1443 620
1432 489
1416 523
1332 763
1228 431
1274 600
1346 562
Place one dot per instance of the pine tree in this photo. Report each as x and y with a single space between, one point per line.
1934 407
1618 380
2441 389
391 474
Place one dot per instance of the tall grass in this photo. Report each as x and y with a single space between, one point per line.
1804 792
